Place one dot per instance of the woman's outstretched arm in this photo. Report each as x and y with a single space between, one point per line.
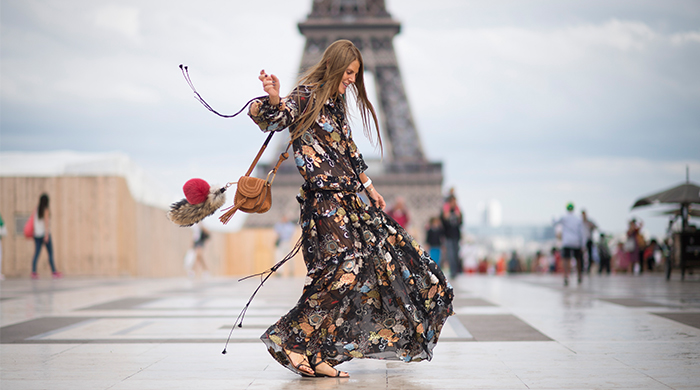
274 113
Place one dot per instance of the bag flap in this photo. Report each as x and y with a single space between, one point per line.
251 187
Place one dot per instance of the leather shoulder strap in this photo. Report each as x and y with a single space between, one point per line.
283 156
260 153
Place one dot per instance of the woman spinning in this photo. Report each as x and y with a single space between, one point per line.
371 291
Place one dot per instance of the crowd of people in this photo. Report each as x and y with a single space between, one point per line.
580 248
633 254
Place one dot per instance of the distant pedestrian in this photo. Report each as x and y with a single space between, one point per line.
200 235
514 264
554 260
604 254
435 238
589 227
666 248
283 244
540 262
634 245
42 236
572 240
450 194
650 255
483 267
400 213
3 232
621 259
451 217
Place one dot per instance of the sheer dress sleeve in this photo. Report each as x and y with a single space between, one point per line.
280 117
356 158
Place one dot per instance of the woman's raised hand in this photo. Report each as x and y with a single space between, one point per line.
271 85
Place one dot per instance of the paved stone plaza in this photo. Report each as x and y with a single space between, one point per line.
525 332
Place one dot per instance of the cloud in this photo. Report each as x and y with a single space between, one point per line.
536 58
121 19
534 103
618 34
109 90
692 37
617 86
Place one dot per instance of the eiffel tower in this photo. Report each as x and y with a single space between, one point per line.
404 170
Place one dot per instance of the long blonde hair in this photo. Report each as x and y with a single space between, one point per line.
325 77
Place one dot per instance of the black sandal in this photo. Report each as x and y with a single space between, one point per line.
317 361
304 363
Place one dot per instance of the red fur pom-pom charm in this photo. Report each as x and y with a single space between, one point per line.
201 201
196 191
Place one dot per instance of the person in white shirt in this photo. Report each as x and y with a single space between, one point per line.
572 240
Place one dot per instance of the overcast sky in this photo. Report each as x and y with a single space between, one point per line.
532 103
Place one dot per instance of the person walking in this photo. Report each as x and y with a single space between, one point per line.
634 246
200 235
3 232
399 212
435 236
588 228
284 229
371 291
42 236
649 255
451 217
572 240
604 254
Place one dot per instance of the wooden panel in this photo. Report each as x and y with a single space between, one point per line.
98 229
250 251
125 223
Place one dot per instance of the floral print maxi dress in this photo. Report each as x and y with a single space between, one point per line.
371 291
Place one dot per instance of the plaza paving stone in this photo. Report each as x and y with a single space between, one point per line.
509 332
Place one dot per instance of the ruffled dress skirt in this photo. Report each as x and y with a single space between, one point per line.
370 292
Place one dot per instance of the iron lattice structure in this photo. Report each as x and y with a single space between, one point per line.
404 171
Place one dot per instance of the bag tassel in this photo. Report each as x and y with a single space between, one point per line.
225 217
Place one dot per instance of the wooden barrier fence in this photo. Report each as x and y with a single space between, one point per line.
100 230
